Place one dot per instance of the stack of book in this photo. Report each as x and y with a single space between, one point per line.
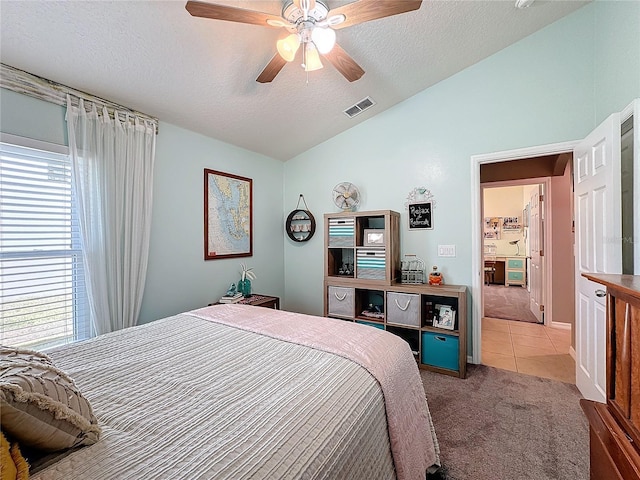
231 298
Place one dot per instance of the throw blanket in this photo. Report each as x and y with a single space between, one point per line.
387 357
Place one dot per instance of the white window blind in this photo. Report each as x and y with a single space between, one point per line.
43 300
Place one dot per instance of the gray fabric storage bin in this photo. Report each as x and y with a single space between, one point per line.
341 301
342 232
403 309
370 264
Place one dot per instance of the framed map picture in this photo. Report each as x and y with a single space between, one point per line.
227 215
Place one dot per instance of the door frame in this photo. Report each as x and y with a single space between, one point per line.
477 228
634 109
548 244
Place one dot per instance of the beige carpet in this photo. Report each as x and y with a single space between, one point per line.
510 303
502 425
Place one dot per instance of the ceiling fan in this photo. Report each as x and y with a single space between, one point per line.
311 26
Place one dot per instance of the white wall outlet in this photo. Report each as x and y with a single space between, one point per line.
446 250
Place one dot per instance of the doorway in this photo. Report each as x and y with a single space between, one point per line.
513 268
536 165
521 333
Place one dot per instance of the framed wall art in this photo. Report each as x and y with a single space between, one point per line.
492 228
228 215
511 224
420 215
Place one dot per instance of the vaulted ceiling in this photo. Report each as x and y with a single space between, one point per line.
200 74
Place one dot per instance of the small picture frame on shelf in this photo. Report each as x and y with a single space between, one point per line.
446 318
374 238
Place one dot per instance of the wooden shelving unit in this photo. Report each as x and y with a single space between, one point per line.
351 253
368 291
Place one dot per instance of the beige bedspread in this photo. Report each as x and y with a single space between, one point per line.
387 357
188 398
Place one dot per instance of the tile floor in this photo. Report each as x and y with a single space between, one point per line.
528 348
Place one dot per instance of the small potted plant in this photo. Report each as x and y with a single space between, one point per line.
244 285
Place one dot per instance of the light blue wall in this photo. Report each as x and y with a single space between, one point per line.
178 278
617 55
539 91
32 118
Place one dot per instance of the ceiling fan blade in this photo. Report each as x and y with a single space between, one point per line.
230 14
272 69
366 10
346 65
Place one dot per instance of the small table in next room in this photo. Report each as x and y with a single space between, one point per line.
258 300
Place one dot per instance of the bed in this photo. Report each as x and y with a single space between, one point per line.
243 392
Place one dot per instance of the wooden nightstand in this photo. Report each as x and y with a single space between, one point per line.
258 300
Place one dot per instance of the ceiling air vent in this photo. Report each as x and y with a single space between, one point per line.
359 107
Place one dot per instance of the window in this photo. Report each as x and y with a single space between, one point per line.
43 299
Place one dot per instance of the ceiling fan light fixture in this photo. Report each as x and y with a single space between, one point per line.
300 18
288 46
324 39
312 59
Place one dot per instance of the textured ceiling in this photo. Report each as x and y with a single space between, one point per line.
200 74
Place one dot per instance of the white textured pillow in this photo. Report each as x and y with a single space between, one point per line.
40 405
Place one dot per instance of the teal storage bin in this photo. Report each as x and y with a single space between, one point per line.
371 324
440 350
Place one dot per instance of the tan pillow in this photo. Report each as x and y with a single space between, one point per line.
40 406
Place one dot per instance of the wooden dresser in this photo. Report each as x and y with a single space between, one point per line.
614 427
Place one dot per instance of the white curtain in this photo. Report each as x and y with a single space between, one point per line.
113 178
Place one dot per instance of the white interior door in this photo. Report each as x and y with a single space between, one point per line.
598 248
536 240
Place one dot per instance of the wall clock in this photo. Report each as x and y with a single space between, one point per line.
346 196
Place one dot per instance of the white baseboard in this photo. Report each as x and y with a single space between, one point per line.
565 326
469 359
